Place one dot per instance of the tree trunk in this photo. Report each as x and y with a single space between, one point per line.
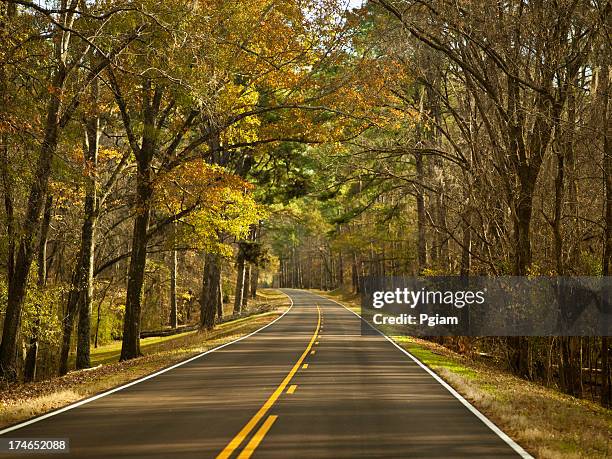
151 102
421 216
80 297
522 225
88 239
130 347
254 281
283 273
557 237
519 352
240 277
68 319
295 278
570 368
211 298
207 312
607 168
431 116
565 145
340 270
247 286
355 274
466 243
218 293
606 383
604 85
29 370
99 312
173 304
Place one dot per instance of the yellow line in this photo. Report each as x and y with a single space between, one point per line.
246 430
252 445
304 366
292 389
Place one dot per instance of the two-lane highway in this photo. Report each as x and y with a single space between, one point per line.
307 386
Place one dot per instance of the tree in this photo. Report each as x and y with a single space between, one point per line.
67 50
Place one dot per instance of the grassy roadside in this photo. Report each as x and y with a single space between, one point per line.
23 401
545 422
266 300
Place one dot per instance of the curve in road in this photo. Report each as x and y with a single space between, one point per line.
310 385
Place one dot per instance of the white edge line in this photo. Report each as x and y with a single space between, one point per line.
125 386
490 424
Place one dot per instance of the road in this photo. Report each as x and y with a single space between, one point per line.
307 386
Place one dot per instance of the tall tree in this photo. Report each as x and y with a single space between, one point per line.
68 50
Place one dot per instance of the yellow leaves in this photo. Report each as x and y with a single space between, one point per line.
107 154
66 194
238 99
222 202
236 96
76 155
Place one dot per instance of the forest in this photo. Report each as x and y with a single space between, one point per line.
161 160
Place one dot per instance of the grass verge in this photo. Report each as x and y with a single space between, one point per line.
544 421
19 402
266 301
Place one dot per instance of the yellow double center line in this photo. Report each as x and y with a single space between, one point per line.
246 430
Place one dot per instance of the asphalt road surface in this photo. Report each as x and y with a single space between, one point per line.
307 386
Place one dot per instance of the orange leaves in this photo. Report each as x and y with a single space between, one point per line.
196 183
